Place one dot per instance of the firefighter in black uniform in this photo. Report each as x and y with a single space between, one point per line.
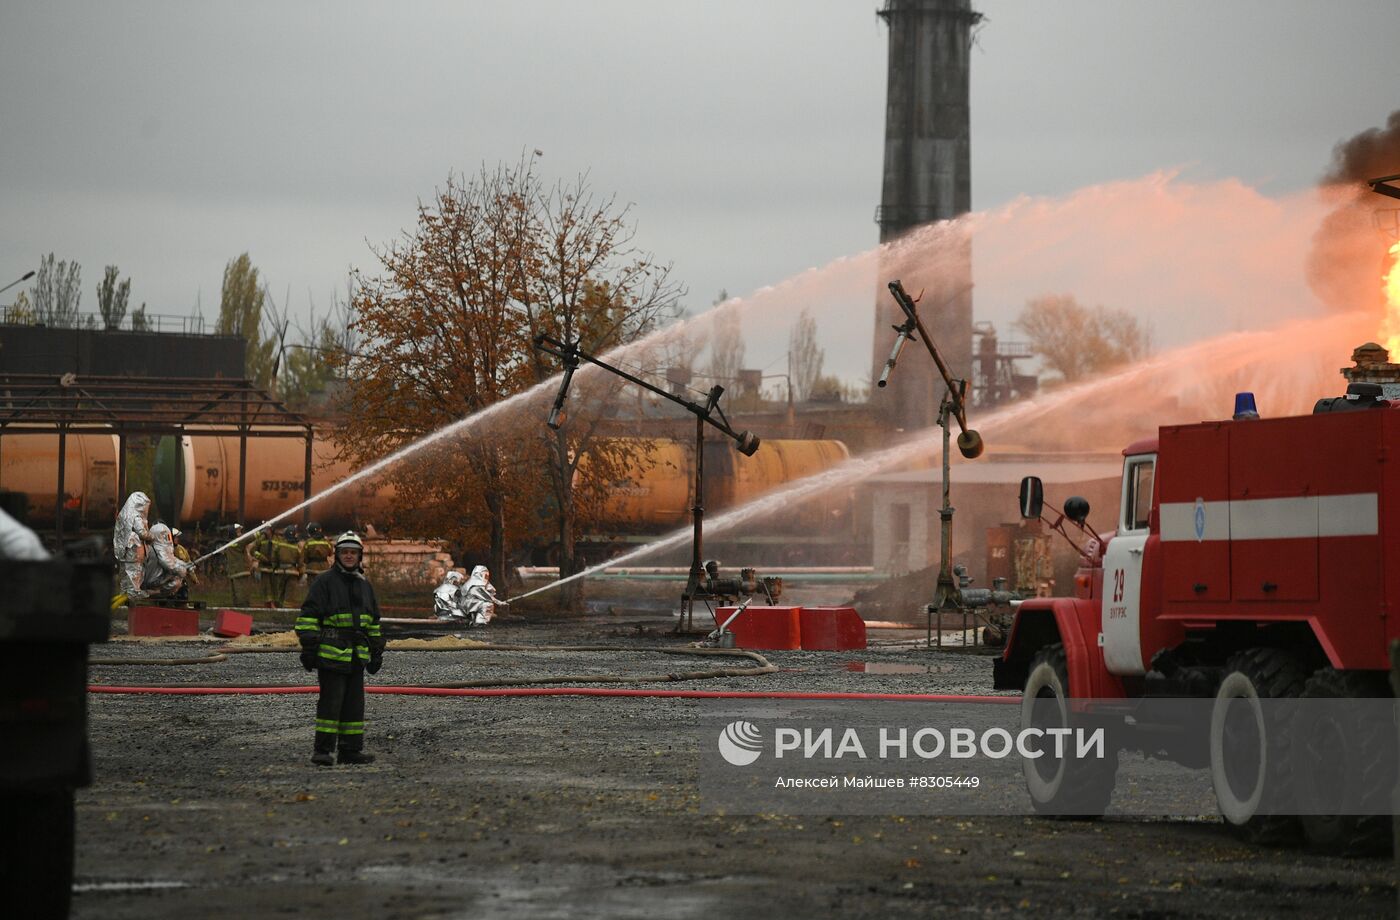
341 640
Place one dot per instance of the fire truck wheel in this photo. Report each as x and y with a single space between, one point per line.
1345 762
1249 746
1065 787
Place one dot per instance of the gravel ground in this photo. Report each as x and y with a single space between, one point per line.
588 807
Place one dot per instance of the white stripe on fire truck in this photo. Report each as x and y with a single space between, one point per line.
1274 518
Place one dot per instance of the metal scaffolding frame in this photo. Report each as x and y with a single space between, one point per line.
124 406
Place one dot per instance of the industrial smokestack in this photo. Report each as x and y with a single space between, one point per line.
927 178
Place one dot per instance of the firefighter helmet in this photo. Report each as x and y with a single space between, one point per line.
350 538
289 532
314 530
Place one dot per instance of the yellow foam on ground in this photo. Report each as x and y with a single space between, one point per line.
286 639
289 639
440 642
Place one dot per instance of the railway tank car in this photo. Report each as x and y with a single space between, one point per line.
29 468
196 484
656 499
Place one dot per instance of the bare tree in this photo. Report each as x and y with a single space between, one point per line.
805 359
1076 341
726 346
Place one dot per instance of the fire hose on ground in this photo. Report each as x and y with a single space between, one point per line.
509 687
764 667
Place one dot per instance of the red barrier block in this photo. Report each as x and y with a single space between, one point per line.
832 629
162 621
764 627
230 623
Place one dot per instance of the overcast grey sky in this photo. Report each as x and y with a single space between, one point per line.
168 137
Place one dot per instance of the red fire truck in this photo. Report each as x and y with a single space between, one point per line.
1252 559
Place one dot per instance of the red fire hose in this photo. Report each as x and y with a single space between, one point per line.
576 691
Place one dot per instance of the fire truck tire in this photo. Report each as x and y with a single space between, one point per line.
1253 784
1061 787
36 860
1356 761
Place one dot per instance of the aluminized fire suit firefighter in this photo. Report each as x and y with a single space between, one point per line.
446 605
164 573
341 640
478 597
18 541
129 539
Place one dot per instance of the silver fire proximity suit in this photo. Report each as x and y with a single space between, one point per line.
164 573
18 541
445 602
129 539
477 597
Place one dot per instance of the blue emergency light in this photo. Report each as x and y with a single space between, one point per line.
1244 406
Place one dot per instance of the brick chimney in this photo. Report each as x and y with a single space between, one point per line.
1371 364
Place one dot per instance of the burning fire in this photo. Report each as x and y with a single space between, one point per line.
1390 327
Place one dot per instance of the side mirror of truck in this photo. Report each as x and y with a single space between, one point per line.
1032 497
1077 509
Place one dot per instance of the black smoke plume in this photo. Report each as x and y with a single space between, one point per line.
1349 255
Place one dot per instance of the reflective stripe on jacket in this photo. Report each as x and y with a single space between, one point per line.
286 558
317 553
340 620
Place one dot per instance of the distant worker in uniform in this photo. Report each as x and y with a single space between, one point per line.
286 567
238 566
316 552
129 540
341 640
447 604
260 552
183 554
477 598
18 541
164 574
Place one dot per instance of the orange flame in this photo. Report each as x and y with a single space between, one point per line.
1390 326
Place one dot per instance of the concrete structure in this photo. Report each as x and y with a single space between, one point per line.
927 178
903 507
37 349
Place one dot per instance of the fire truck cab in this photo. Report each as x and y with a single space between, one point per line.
1251 558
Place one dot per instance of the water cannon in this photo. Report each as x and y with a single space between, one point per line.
1383 186
953 406
698 585
567 353
905 333
969 441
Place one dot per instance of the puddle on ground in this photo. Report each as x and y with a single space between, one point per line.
881 667
132 885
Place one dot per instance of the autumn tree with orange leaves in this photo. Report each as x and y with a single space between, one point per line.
447 329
